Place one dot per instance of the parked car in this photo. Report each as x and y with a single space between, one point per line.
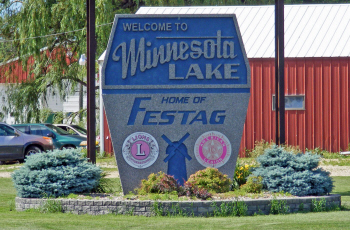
73 129
61 139
76 130
16 145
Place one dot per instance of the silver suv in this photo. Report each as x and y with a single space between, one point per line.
15 145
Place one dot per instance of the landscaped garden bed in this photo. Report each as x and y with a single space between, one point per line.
206 193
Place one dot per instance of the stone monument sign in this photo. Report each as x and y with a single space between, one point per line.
176 90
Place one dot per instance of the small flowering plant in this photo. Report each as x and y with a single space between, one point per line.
241 175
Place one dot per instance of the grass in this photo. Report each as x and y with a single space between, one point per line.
337 162
107 160
70 221
107 170
342 187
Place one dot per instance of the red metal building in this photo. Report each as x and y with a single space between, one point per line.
325 121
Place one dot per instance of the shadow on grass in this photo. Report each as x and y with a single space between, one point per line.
342 193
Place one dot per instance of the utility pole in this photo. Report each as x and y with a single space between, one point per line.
279 72
91 97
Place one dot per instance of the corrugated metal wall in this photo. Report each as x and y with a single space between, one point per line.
325 122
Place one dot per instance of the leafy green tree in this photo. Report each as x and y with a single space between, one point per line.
8 8
48 37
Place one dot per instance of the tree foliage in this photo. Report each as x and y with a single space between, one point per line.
48 38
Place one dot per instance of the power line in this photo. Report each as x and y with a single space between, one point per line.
50 35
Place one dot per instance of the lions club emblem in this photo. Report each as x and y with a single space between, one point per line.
140 150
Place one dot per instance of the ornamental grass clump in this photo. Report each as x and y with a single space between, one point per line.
296 174
211 179
56 173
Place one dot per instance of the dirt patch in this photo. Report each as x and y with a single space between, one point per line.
114 174
337 170
105 165
5 174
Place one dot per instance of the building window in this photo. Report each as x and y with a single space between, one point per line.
292 102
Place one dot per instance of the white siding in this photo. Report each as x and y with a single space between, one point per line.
318 30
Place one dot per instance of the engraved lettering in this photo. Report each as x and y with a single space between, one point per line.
143 55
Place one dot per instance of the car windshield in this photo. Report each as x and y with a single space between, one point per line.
80 129
6 131
57 130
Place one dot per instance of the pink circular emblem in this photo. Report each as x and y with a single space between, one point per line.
212 149
140 150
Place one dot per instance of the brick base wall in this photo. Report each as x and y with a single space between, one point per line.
195 208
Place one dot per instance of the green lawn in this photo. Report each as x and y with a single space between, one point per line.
334 220
35 220
342 187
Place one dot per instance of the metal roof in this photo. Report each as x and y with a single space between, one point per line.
318 30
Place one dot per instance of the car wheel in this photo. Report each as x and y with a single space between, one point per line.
32 150
68 147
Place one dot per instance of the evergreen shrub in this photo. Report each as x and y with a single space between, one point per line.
211 179
56 173
296 174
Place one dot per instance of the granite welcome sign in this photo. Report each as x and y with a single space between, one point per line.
176 90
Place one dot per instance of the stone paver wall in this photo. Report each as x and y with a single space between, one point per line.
149 208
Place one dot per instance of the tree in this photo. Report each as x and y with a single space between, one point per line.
7 10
